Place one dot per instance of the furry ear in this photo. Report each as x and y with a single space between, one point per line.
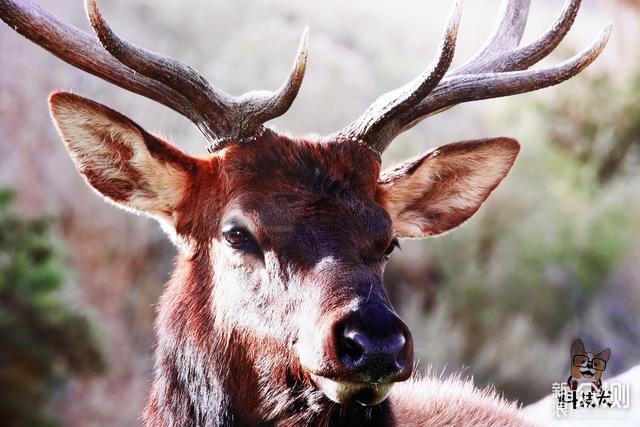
577 347
438 191
604 354
123 162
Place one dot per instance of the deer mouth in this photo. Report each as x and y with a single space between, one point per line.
366 394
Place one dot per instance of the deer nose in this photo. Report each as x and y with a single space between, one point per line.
374 344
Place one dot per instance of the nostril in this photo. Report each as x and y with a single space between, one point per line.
350 348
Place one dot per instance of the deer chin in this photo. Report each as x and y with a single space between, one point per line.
366 394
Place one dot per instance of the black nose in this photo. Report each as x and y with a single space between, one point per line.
374 343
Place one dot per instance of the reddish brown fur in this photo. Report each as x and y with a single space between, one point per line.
241 334
276 170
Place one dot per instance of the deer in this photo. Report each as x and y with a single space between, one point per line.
276 313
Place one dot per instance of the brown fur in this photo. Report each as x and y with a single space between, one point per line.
241 332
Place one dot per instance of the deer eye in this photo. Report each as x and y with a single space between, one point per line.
392 246
237 237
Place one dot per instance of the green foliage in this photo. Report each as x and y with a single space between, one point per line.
546 265
42 342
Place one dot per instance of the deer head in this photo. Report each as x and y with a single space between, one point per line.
283 240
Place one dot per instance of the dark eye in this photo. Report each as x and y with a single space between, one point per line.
392 246
237 237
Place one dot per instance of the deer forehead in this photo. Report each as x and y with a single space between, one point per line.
282 187
279 164
278 182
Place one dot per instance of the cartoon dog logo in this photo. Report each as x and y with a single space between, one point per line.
586 366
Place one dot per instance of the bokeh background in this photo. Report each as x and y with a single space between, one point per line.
553 255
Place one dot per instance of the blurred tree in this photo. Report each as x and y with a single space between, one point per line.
42 342
599 123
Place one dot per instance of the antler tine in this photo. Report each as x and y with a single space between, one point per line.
521 58
82 51
274 104
505 37
496 71
377 122
529 55
212 105
219 116
224 118
458 89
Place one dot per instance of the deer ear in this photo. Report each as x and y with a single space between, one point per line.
438 191
124 163
577 347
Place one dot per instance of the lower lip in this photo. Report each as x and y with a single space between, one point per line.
366 394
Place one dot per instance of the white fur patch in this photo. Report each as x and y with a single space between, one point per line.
344 391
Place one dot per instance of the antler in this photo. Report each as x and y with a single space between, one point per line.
218 115
498 69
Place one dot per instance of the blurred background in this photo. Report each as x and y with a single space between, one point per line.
553 254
